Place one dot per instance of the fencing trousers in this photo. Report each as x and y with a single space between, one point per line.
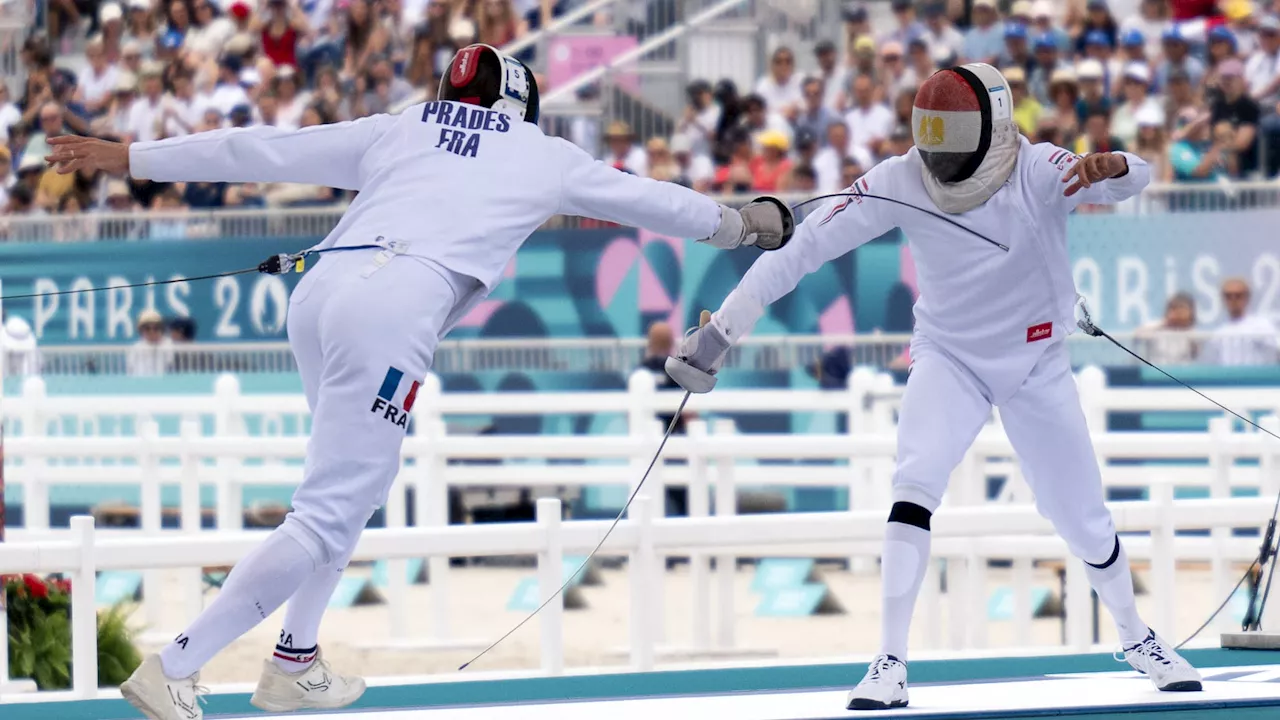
943 409
364 334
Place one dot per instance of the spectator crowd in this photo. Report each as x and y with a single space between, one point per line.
1193 86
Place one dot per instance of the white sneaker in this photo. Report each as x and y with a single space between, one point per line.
883 687
316 688
1160 662
163 698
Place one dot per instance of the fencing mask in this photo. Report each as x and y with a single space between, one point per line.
965 134
482 75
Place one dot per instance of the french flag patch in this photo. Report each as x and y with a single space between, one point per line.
1043 331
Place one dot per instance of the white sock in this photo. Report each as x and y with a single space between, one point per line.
902 568
299 640
1114 585
259 584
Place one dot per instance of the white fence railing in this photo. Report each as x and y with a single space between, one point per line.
312 223
965 537
615 355
40 455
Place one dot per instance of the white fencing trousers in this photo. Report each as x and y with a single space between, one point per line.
945 406
363 341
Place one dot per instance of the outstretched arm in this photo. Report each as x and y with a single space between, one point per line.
840 226
1104 178
327 155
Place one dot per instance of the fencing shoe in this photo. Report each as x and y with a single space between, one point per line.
1166 668
316 688
883 687
163 698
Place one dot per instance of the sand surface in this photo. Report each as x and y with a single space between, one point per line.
354 639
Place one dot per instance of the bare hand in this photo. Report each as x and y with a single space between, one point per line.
1094 168
73 152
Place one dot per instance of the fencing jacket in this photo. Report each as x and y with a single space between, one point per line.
463 185
994 311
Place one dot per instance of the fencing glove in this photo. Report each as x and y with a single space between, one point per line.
700 355
766 223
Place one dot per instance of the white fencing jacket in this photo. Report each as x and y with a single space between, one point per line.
995 311
462 185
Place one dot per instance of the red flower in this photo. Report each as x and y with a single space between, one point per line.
37 587
62 586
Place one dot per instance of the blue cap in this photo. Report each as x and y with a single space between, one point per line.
1046 41
1097 37
171 40
1015 30
1173 32
1133 38
1221 32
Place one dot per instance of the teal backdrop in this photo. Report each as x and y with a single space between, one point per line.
614 282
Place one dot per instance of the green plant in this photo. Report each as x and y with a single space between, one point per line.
39 614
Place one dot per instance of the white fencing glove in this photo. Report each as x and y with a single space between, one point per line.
700 355
766 223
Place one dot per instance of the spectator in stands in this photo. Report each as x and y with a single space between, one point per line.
1181 96
815 117
1047 63
283 28
177 17
1097 136
893 71
10 115
1044 25
1244 338
734 175
141 27
903 102
1177 56
1195 156
920 63
623 153
701 117
1151 144
857 21
1262 72
1098 47
497 24
938 30
178 113
99 77
1222 47
1167 341
1017 48
145 113
695 169
227 92
780 88
118 199
828 161
802 179
1134 84
1093 95
50 125
806 150
1235 108
210 31
757 118
1026 110
862 62
152 354
72 224
1150 22
662 166
365 37
1097 18
869 122
984 41
906 27
850 171
21 201
899 141
771 164
661 342
833 75
1133 48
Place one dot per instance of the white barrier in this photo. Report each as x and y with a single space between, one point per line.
863 462
966 536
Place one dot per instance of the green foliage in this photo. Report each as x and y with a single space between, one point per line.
39 613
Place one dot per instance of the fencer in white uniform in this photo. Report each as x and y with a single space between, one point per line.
448 191
996 303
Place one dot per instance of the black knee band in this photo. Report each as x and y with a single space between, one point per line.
912 514
1115 553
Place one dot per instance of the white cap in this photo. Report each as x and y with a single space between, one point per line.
110 13
1089 69
1020 8
1138 71
1149 115
1043 8
250 76
139 4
